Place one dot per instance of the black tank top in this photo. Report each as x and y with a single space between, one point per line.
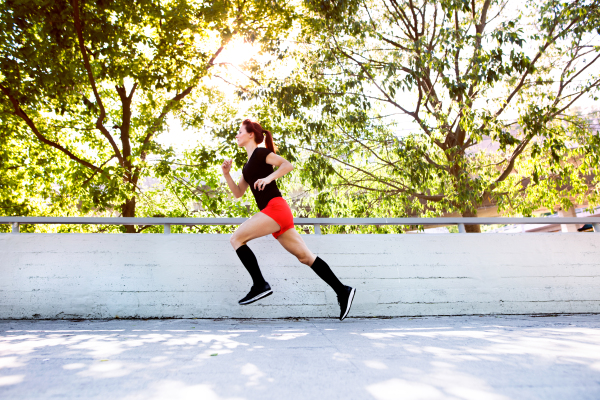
257 168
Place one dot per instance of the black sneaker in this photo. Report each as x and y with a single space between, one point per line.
256 293
345 301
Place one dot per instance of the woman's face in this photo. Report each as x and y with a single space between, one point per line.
243 137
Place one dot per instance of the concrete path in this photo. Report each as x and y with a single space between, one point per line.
471 358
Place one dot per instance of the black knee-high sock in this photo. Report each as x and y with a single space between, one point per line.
249 260
322 269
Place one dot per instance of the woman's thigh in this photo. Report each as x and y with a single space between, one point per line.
257 226
292 241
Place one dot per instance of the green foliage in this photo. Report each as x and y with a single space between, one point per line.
424 108
393 108
87 88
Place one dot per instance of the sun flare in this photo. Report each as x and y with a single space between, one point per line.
238 52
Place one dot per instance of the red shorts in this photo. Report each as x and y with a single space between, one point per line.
278 209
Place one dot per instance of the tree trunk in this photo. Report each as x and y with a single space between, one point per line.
471 228
128 210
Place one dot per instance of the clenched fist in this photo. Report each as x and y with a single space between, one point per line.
226 166
261 183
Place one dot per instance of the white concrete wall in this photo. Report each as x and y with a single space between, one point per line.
155 275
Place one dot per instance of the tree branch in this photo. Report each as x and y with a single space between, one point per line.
19 112
88 68
529 69
126 121
520 148
94 173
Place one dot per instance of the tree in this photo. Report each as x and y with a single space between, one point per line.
86 88
453 75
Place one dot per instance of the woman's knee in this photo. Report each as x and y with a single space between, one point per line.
306 259
235 241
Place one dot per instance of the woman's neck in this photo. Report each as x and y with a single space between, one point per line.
250 147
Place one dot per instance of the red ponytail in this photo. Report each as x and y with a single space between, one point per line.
260 134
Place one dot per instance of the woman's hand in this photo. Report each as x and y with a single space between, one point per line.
226 166
261 183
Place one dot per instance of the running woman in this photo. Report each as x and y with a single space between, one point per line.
275 216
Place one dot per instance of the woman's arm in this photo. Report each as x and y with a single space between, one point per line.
239 189
284 166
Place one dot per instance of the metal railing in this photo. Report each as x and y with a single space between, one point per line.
316 222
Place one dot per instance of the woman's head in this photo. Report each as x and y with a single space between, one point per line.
255 131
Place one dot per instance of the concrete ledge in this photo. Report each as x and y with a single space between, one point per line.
200 276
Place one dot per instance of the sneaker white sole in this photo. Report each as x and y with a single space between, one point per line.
257 297
350 298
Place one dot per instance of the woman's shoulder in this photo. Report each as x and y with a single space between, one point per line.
262 152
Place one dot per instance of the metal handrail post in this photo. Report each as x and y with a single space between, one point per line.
461 228
317 229
167 229
15 227
596 228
